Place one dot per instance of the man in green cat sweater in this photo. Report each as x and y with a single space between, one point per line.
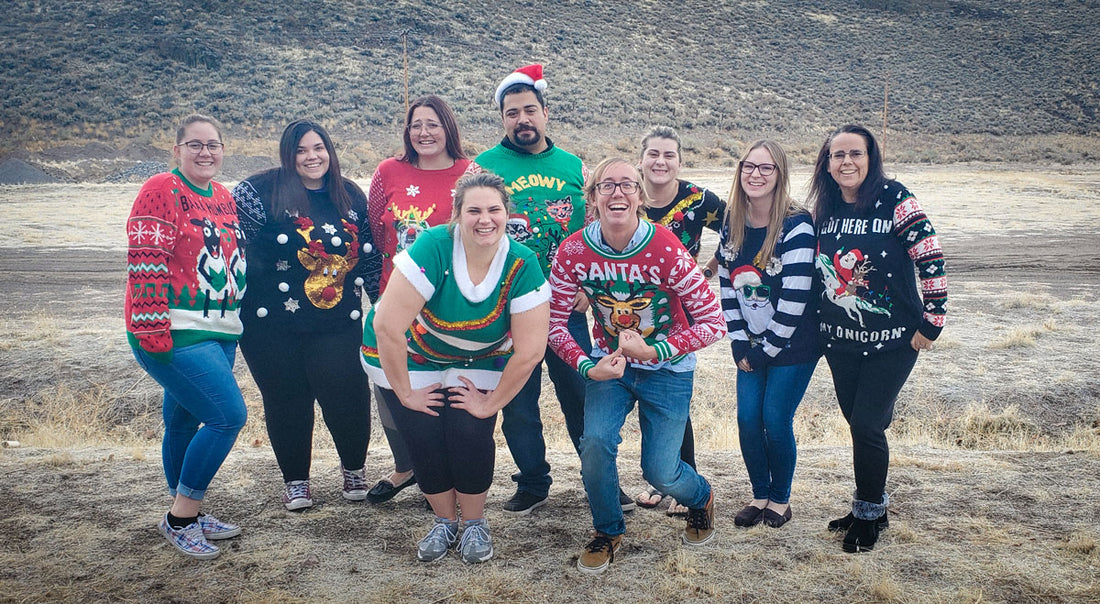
545 184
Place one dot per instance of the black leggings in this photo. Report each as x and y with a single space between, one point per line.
867 388
453 450
294 369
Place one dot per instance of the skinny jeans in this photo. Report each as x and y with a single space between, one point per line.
203 412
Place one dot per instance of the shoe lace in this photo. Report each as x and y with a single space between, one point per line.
298 489
698 519
353 481
441 531
476 534
599 544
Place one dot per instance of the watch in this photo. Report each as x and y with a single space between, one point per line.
708 273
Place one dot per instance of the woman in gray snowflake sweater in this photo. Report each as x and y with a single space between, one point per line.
874 242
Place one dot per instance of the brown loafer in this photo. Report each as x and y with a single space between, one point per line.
773 519
749 515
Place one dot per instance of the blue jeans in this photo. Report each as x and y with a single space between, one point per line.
663 398
199 388
766 402
522 424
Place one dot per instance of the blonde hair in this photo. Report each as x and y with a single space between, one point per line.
597 174
737 209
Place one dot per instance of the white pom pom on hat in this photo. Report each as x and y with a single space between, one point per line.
530 75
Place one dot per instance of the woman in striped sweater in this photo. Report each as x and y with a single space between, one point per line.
766 260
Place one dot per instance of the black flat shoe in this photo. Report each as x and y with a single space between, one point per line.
385 490
774 519
842 524
749 515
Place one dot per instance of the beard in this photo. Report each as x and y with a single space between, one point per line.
525 136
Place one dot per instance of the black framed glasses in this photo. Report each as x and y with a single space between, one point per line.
747 167
628 187
196 147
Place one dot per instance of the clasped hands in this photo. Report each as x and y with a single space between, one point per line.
612 366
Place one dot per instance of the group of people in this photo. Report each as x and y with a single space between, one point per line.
478 272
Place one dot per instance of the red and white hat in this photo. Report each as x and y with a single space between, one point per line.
745 275
530 75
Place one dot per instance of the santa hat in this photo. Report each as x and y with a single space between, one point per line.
745 275
530 75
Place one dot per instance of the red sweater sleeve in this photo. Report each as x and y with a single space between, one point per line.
151 234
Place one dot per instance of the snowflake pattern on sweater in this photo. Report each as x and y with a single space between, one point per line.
185 267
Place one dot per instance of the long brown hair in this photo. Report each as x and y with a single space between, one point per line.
446 119
737 209
290 195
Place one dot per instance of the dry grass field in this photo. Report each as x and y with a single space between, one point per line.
994 479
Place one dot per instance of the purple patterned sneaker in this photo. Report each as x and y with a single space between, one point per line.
189 540
297 495
212 528
355 484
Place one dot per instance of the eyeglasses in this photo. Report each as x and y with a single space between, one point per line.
628 187
747 167
761 291
196 147
854 154
419 127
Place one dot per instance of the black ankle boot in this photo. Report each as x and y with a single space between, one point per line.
842 524
861 536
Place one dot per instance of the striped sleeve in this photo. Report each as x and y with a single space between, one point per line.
736 327
797 250
915 231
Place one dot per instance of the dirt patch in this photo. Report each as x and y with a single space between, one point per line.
963 527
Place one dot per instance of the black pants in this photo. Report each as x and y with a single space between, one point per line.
294 369
453 450
867 388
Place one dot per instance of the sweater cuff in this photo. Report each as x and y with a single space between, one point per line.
664 350
740 349
585 366
929 330
758 359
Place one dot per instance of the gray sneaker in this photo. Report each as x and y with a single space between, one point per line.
435 544
476 545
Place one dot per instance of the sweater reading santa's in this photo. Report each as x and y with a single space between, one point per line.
647 287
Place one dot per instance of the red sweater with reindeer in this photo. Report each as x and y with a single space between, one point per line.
646 287
185 268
